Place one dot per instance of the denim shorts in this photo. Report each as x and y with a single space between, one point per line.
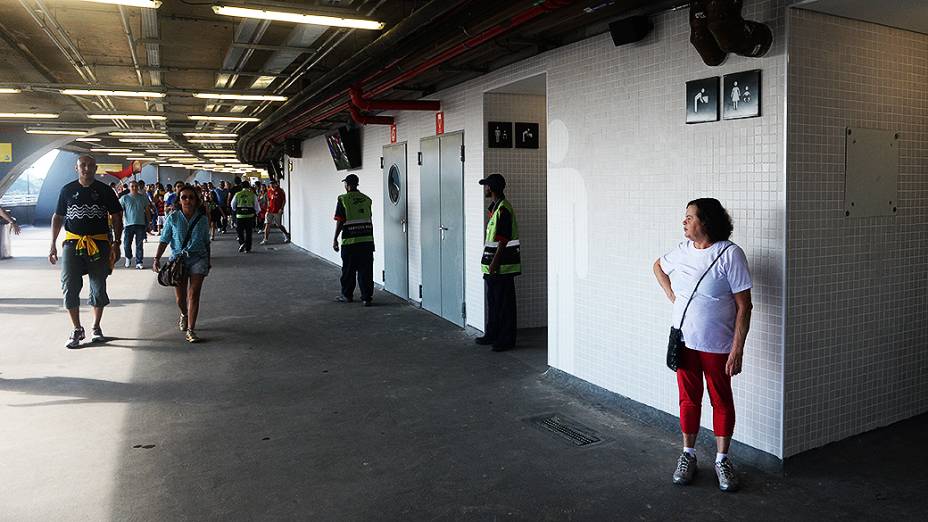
197 264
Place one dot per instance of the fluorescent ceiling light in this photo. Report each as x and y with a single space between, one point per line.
227 96
100 92
173 164
8 90
215 151
151 4
184 160
145 140
123 153
165 151
57 132
111 150
212 141
141 158
211 134
29 115
224 160
176 155
281 16
223 118
139 134
151 117
207 165
89 140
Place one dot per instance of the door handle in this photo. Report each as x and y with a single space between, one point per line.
404 226
442 229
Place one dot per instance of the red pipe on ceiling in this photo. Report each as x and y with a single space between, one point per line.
364 119
358 100
307 118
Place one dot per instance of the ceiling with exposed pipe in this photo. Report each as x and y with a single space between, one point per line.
183 47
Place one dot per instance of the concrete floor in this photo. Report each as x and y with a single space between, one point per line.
298 408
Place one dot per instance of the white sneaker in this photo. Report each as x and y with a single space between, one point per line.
264 241
138 266
128 263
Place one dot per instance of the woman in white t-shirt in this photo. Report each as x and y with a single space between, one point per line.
714 329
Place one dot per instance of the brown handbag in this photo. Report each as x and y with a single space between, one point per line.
174 272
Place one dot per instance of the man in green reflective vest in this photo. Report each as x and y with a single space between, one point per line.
245 208
501 262
353 222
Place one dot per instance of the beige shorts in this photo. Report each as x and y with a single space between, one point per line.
273 219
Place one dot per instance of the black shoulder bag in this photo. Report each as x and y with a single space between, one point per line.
174 272
676 344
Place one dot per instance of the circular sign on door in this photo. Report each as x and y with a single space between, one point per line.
393 182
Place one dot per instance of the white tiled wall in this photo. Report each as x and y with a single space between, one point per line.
621 166
526 188
855 347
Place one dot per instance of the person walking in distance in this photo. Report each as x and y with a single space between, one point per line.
189 219
221 196
276 199
137 212
230 195
245 209
353 222
170 202
85 209
501 262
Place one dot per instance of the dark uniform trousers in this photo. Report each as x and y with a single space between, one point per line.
244 228
500 310
358 263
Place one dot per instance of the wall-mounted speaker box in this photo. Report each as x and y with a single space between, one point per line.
630 30
294 148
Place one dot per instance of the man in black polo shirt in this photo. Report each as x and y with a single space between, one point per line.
85 208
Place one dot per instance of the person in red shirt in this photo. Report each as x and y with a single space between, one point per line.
276 199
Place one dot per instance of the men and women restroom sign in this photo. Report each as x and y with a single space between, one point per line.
739 97
500 135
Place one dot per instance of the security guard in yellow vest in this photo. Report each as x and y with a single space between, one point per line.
245 208
353 222
501 262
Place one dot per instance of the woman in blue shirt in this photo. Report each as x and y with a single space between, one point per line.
195 255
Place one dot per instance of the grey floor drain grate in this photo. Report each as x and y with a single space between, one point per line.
565 429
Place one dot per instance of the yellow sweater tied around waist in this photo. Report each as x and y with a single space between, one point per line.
87 244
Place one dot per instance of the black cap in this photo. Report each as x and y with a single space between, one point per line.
351 179
496 182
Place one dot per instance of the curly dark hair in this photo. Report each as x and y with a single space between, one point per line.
715 219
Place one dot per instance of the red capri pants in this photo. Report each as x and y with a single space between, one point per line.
694 365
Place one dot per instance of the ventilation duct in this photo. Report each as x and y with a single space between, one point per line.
717 28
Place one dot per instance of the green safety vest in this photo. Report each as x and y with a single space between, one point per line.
511 260
244 201
358 227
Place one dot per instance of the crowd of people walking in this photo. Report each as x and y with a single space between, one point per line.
99 219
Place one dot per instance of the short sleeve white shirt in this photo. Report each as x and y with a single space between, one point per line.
709 325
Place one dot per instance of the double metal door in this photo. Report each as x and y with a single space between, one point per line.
395 235
442 185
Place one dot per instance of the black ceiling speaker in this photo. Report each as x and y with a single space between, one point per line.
293 147
630 30
733 33
701 38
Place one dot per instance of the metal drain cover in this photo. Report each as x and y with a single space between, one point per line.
565 429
